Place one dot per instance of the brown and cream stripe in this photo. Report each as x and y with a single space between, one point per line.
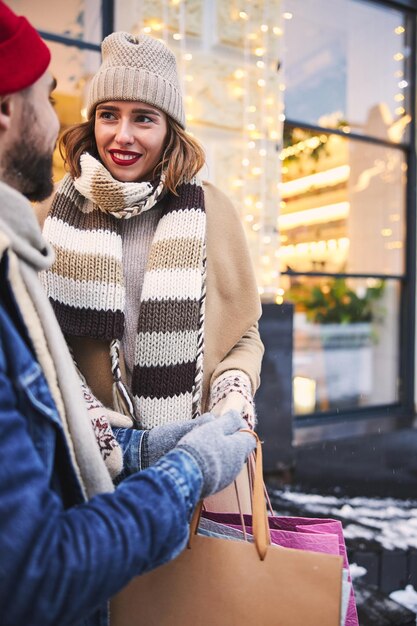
86 288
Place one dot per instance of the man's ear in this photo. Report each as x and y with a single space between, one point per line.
6 108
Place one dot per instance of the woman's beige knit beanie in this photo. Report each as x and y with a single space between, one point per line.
137 68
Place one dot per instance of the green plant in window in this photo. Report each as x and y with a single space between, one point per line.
334 302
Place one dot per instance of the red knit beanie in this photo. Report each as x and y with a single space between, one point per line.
24 57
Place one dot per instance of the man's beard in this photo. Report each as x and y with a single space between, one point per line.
26 167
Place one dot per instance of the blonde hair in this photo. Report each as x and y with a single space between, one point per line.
182 158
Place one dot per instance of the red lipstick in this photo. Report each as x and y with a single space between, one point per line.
124 157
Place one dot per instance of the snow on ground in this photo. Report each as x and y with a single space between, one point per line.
390 522
407 597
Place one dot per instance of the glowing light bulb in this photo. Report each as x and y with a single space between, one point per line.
239 73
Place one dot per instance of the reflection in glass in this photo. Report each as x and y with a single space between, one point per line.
342 205
78 19
346 343
354 61
73 69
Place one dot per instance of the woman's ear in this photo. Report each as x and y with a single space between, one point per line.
6 108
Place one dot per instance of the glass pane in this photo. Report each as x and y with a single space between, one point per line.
169 20
79 19
353 68
346 343
73 69
343 205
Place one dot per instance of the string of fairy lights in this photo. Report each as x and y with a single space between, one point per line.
257 88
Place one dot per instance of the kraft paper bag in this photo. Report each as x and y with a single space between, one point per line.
301 533
222 582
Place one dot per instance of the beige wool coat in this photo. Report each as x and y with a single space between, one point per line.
232 307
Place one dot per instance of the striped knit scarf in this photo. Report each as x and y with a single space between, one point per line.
86 287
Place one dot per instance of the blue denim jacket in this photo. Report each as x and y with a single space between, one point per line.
61 558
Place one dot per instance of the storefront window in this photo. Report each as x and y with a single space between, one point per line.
342 205
354 56
346 344
73 69
77 19
342 220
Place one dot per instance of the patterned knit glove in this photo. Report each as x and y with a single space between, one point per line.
106 441
231 391
219 449
161 439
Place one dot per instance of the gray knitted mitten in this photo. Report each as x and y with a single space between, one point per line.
219 449
161 439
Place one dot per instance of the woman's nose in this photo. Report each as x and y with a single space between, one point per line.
124 133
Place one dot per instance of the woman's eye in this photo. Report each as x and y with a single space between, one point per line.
105 115
144 119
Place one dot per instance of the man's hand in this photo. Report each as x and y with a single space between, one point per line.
219 449
162 439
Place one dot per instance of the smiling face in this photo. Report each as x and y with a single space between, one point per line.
130 138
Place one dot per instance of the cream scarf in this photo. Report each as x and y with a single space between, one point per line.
29 253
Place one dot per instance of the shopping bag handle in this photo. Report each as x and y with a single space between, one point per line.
260 526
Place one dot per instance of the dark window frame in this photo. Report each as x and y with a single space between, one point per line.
405 407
